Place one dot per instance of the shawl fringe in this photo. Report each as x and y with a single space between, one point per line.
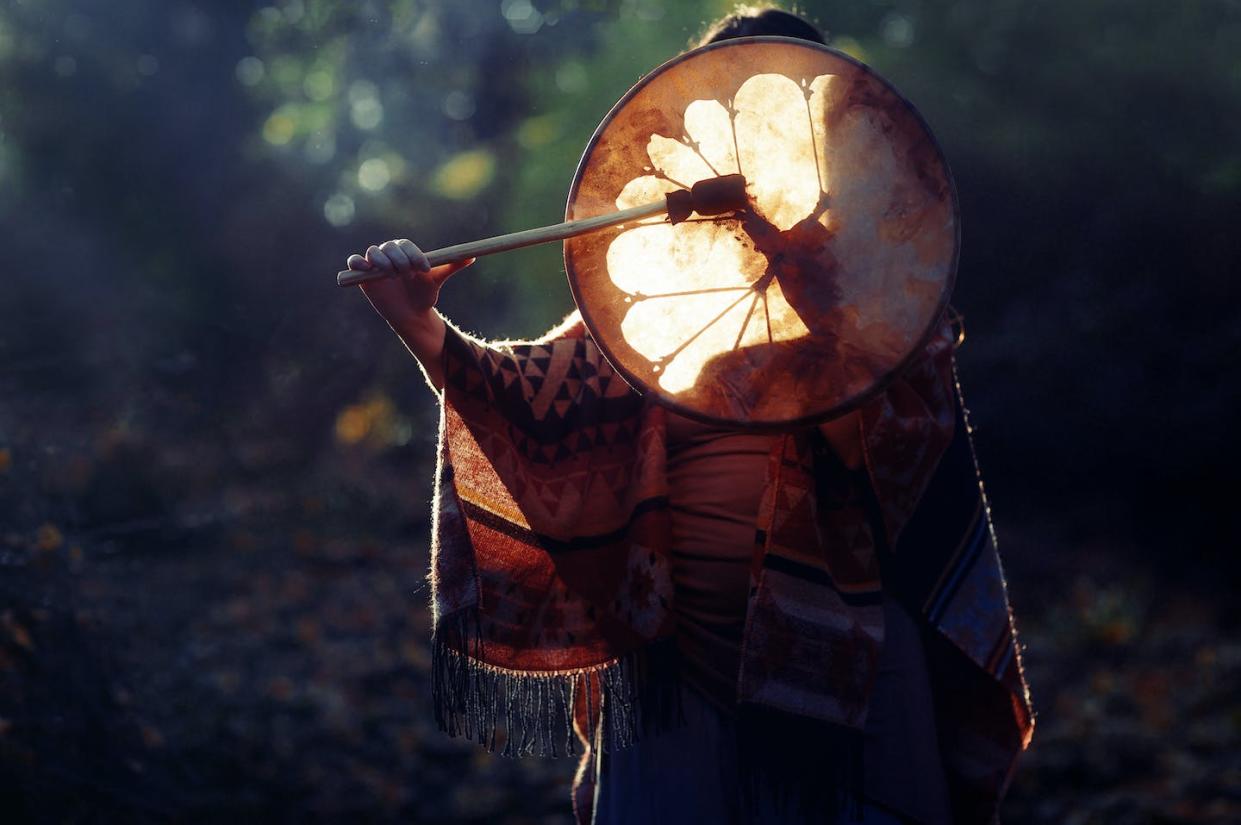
531 713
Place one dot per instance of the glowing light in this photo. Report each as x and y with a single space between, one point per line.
644 190
365 110
250 71
820 95
677 161
375 421
374 175
571 77
522 16
775 142
693 286
458 105
362 90
339 209
280 126
709 127
319 84
367 113
810 292
352 425
692 298
464 175
49 537
897 30
538 131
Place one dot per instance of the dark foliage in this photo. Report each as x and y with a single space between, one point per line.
214 466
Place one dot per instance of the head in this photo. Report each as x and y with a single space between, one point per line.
756 21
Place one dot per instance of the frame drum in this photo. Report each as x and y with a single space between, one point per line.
807 302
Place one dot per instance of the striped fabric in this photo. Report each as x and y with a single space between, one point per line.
551 586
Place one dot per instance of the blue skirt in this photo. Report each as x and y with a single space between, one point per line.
689 775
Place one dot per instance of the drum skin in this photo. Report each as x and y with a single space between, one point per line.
807 303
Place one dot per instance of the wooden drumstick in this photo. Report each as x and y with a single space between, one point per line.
713 196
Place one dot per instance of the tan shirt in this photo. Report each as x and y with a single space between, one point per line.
715 479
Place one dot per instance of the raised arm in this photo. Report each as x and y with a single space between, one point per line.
407 301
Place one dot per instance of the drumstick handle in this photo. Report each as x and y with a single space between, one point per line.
513 240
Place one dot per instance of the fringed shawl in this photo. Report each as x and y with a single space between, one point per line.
551 586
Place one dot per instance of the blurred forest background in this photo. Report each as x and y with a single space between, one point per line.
215 466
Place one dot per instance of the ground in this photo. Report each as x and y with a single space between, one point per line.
271 661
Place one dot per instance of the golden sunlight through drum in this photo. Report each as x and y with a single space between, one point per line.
807 302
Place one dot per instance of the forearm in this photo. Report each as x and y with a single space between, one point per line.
423 335
406 297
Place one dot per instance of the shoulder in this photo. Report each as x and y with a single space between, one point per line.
572 327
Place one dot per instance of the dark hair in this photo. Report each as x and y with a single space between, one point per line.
755 21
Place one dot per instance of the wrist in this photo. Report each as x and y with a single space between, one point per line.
415 323
423 335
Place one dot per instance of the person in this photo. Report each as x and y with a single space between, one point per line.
802 626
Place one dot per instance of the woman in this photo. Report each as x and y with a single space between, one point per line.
596 567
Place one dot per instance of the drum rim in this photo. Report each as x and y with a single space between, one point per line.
853 402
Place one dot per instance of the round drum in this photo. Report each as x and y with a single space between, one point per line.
807 302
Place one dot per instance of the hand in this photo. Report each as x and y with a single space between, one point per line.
412 292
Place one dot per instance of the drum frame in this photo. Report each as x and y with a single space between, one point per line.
858 399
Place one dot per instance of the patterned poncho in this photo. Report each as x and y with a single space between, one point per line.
553 599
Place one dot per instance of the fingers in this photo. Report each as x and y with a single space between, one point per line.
418 260
397 255
377 258
404 257
401 256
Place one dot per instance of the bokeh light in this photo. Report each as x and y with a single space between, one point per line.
339 209
464 175
250 71
374 175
